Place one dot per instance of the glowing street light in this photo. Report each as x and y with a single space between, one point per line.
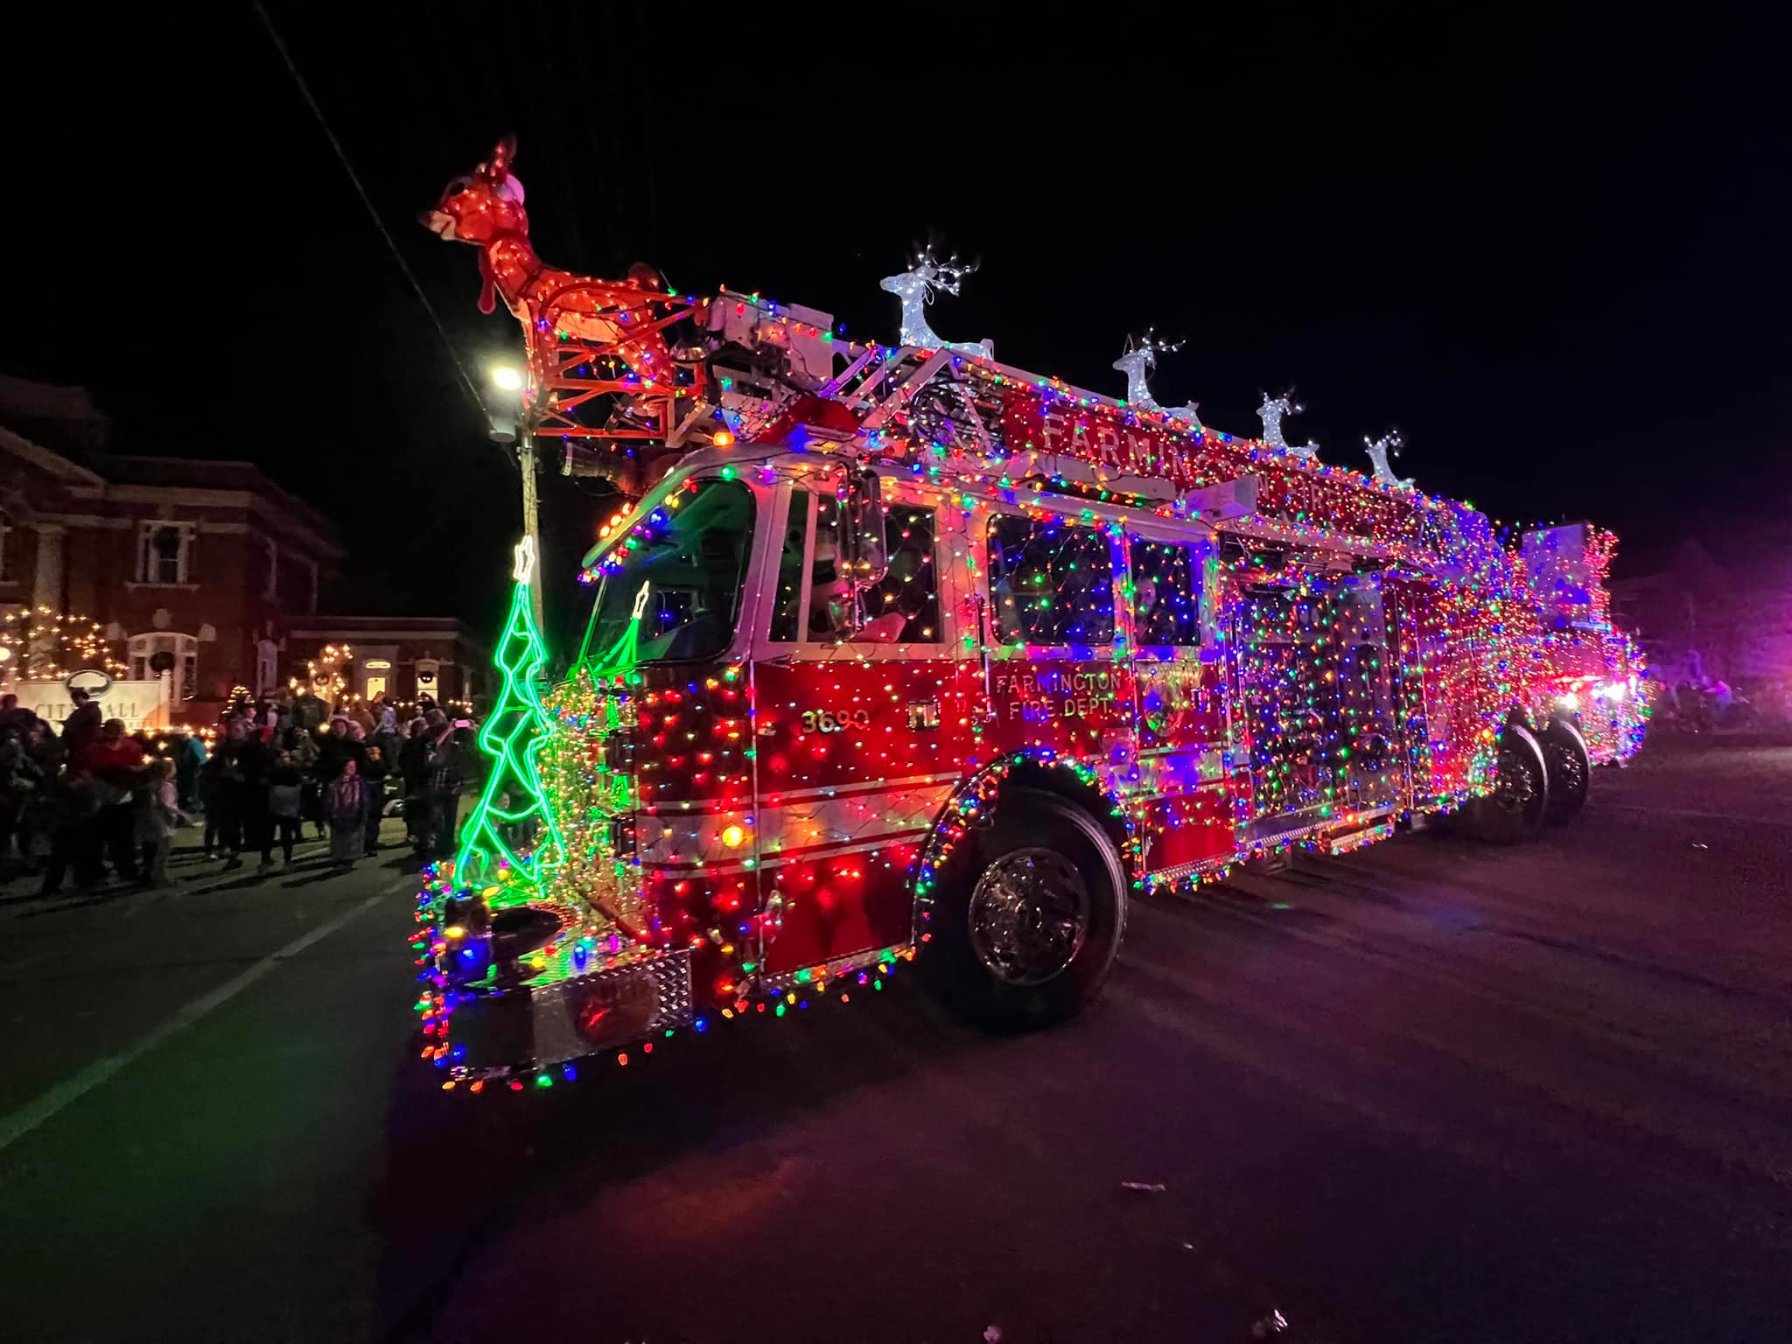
506 377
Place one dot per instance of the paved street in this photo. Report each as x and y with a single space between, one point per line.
1432 1091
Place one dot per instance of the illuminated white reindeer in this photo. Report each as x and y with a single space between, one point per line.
1380 450
915 288
1271 412
1140 358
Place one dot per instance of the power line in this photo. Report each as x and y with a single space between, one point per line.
466 378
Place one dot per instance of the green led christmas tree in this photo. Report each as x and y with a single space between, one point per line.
513 836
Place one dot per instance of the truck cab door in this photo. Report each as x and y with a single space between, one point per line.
863 721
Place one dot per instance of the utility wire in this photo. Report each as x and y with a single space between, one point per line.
466 378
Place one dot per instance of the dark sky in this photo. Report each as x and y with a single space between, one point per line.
1555 257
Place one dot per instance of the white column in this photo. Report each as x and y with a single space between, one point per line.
46 587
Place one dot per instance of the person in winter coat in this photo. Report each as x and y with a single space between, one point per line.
255 757
82 725
189 756
444 785
337 746
413 769
345 803
221 785
70 806
374 783
286 795
158 814
116 762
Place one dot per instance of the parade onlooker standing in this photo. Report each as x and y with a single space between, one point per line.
444 784
82 726
71 806
14 718
158 813
20 782
189 757
224 795
117 765
345 803
286 793
413 770
374 785
337 746
254 759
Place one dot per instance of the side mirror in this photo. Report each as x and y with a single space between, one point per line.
867 558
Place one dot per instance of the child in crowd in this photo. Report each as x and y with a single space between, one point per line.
345 804
286 796
158 814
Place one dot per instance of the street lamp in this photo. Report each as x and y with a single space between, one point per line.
509 424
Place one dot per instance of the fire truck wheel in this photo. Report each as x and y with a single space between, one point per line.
1515 809
1569 767
1030 914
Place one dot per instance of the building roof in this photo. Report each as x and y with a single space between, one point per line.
61 431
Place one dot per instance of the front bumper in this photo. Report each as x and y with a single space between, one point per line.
524 1028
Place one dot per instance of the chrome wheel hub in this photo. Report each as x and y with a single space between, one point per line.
1516 787
1029 916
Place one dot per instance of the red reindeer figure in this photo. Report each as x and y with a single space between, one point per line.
566 318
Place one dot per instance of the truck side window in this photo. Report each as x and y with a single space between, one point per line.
787 609
1050 582
905 607
830 604
1166 594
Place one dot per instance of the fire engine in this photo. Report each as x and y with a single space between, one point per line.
900 651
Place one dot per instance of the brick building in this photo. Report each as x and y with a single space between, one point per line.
401 657
208 569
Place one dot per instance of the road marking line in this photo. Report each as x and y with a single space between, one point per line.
70 1090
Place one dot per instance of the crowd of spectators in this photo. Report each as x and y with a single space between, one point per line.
91 801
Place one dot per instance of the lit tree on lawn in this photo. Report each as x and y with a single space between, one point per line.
513 836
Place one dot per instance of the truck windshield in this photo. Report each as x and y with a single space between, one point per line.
671 590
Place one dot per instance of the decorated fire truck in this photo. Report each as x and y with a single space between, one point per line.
899 653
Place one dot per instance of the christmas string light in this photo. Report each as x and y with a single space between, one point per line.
1271 413
45 644
915 288
514 839
1218 645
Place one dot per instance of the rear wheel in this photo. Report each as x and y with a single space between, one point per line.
1515 808
1029 914
1568 769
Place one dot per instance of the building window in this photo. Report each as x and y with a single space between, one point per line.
178 655
270 588
312 565
267 666
164 553
5 546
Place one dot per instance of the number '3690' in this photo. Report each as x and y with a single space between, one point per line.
835 720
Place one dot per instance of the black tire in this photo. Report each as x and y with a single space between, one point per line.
1516 808
1569 767
1029 914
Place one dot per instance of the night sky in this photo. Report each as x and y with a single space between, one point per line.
1556 259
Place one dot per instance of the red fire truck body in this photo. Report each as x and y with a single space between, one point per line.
910 652
763 809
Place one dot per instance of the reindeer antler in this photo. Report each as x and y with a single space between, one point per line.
945 274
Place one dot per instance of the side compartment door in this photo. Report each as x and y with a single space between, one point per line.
1179 676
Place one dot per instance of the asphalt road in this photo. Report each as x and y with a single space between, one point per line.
1427 1092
